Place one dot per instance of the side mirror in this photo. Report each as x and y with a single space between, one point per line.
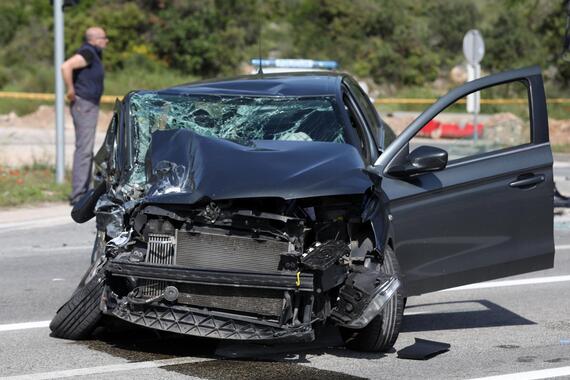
84 209
422 160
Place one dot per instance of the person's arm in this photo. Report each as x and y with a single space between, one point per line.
75 62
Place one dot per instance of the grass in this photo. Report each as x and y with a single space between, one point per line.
30 184
20 106
561 148
119 83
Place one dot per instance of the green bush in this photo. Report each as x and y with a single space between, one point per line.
404 43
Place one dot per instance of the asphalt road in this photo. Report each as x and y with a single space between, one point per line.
495 330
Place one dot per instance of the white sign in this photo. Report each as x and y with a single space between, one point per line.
473 46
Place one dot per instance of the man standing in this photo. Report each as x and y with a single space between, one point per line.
83 75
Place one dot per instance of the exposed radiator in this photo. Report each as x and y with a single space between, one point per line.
161 249
216 251
208 250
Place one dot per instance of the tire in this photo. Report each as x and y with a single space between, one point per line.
381 333
79 316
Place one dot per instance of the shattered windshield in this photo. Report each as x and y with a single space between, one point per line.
240 119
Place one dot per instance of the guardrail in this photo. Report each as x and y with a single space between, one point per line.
110 99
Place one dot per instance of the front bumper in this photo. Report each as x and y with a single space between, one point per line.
233 321
209 324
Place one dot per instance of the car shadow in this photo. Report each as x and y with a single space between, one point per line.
488 314
226 359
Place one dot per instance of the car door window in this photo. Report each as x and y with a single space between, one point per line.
357 124
368 110
503 122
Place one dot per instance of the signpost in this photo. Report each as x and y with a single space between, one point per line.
59 92
474 50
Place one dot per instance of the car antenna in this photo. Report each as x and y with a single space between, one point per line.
260 71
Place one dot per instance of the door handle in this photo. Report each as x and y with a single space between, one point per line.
527 182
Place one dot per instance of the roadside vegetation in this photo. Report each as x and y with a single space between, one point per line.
30 184
399 46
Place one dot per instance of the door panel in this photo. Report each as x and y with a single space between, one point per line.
468 222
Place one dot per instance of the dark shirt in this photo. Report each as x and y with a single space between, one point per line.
88 81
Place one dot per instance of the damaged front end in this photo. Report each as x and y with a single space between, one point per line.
259 238
241 270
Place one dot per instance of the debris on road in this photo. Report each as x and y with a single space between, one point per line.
423 349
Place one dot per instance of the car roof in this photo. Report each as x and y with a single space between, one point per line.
276 84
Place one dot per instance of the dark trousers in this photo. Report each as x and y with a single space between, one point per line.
84 114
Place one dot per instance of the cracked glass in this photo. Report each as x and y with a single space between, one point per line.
240 119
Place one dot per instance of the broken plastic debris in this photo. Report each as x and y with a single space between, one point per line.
121 240
110 216
423 349
565 342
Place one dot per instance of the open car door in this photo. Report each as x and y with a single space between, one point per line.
465 211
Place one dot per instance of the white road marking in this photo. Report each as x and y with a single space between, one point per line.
500 284
24 326
51 249
107 369
21 252
524 281
48 222
531 375
407 313
561 164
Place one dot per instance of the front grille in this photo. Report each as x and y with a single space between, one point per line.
216 251
161 249
267 302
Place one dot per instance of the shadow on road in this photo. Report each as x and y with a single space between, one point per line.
228 359
487 314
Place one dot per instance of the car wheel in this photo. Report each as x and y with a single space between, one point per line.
381 333
79 316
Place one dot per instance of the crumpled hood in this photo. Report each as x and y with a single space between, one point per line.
184 167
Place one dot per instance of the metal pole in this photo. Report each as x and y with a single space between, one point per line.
477 70
59 92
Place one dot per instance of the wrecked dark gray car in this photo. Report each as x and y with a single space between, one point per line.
260 207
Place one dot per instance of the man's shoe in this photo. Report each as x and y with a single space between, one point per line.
559 199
